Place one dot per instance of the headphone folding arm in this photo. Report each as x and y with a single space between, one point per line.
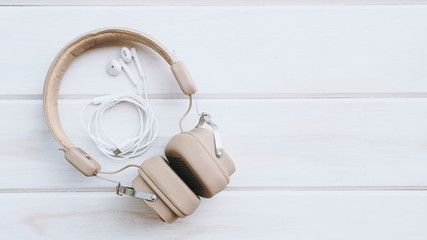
129 191
195 163
206 118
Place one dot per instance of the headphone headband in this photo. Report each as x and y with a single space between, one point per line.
85 42
196 165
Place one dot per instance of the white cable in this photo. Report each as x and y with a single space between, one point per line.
197 105
146 132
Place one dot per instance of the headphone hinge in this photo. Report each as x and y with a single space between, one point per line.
129 191
206 118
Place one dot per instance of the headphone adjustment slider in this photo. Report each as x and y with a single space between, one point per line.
123 190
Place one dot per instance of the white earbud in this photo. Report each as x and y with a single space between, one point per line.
127 56
114 68
148 125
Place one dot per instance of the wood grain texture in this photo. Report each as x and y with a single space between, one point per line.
325 100
275 143
205 2
229 50
231 215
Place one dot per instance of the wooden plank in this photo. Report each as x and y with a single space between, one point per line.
236 51
275 143
204 2
237 215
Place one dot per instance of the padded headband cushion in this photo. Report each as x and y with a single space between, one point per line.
170 189
192 156
85 42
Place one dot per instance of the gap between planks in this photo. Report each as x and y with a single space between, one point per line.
236 96
207 2
235 189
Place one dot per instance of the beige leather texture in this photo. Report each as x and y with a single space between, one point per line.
192 167
170 189
183 78
78 46
192 156
82 161
158 206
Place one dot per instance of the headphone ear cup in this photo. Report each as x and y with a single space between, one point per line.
192 156
174 198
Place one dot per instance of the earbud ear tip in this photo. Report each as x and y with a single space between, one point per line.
114 67
126 54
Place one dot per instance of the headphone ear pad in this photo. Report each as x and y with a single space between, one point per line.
175 198
192 156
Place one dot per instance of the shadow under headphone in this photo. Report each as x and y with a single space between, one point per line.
196 165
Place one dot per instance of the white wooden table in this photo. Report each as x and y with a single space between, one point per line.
323 108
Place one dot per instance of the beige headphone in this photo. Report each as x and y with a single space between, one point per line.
196 165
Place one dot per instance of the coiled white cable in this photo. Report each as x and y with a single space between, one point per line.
146 132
